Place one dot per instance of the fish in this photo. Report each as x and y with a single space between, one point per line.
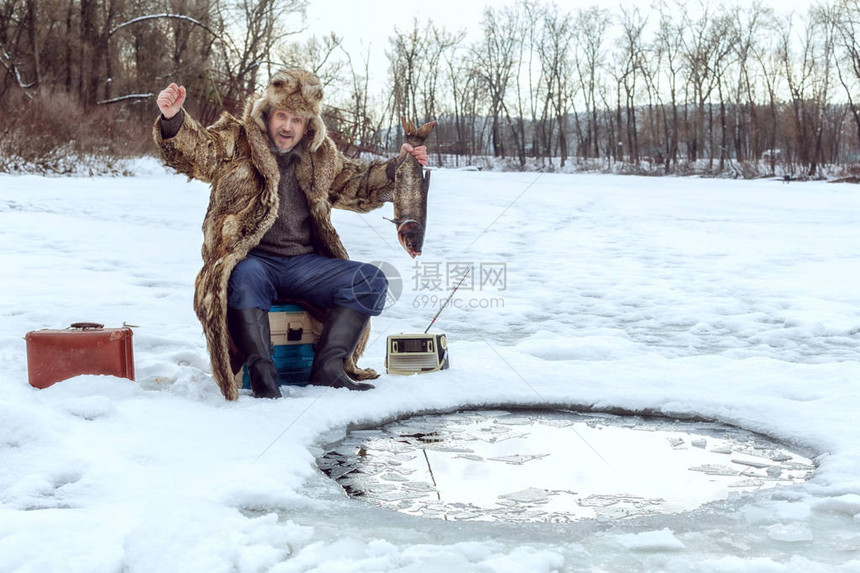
411 184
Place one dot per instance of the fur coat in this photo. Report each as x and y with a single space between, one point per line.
234 156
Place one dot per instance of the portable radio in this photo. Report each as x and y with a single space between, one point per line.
416 353
419 353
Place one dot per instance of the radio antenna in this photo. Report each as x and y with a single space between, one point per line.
447 300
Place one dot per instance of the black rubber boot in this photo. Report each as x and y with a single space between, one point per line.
249 328
338 341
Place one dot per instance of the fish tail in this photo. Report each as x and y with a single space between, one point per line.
423 132
418 134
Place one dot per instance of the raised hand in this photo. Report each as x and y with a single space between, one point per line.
419 153
170 100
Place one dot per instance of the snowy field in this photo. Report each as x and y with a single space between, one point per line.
731 301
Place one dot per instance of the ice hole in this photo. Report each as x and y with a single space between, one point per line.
555 466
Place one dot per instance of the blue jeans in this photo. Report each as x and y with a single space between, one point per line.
260 279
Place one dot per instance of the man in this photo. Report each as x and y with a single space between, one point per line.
267 233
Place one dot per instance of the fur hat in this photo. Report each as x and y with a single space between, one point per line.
298 91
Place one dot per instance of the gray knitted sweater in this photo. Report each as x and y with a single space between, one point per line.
291 233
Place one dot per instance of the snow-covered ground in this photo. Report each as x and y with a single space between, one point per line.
726 300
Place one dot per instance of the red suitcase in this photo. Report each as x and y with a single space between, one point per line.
83 348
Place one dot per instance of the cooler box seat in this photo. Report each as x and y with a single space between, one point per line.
292 346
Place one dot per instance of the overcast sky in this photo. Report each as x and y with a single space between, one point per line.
367 24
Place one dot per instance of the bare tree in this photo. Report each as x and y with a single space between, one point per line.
460 80
317 55
590 29
527 95
147 46
359 100
848 29
698 51
11 38
556 68
669 49
750 25
826 18
407 70
252 30
808 81
442 43
724 39
494 64
631 60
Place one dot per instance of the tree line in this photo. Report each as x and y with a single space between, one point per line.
723 88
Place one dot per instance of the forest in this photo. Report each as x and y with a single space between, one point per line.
684 87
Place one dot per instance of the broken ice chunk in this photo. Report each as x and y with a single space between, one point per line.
752 482
676 442
529 495
366 433
515 421
326 463
418 486
714 470
798 466
751 464
518 459
508 437
341 471
397 496
470 457
447 449
466 515
595 500
533 514
382 487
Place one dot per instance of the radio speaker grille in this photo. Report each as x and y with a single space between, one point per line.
412 362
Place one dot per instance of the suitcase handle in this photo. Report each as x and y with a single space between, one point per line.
86 325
